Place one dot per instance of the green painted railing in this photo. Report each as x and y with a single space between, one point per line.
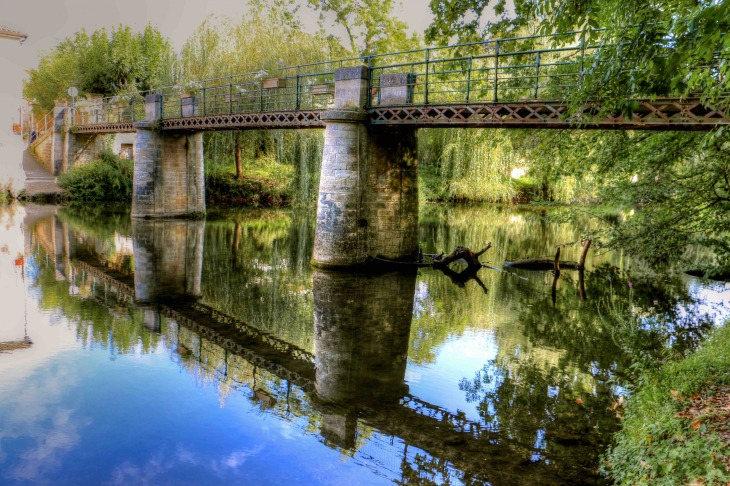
505 70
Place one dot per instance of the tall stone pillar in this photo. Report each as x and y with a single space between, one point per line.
168 169
361 333
368 193
168 259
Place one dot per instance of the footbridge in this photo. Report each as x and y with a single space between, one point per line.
371 109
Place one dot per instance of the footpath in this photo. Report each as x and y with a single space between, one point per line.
38 181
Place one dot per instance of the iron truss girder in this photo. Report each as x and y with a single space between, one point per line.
269 120
114 127
661 114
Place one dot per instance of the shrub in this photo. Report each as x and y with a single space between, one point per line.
107 179
249 191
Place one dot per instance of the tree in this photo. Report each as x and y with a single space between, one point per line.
103 63
370 25
677 183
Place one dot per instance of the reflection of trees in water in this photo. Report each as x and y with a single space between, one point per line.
265 279
101 316
574 350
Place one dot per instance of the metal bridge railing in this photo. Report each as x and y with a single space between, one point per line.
530 68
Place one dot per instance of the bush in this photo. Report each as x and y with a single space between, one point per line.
107 179
249 191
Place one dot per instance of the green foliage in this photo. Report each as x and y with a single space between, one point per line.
656 447
102 63
472 165
267 37
370 25
107 179
249 191
677 183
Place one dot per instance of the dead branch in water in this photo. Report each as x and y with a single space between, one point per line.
545 263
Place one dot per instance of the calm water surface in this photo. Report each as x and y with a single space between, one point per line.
210 352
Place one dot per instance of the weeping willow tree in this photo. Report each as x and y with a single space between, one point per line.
467 164
268 37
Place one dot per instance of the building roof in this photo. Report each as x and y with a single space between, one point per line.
12 34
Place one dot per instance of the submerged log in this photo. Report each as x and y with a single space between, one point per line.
542 264
545 263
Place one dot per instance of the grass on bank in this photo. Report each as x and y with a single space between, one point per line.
659 446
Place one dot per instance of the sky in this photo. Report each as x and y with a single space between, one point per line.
48 21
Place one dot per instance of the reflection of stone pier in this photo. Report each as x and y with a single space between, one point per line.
362 326
168 259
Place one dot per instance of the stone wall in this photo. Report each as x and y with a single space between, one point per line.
84 148
43 151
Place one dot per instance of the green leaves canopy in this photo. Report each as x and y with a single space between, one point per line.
103 63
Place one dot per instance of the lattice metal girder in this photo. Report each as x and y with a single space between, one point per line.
270 120
661 114
118 127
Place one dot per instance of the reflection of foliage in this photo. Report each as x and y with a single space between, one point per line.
256 267
101 318
538 408
98 220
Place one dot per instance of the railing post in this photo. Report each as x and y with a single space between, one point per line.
537 73
230 99
496 70
261 96
370 83
204 101
582 57
132 104
425 80
468 80
181 107
296 101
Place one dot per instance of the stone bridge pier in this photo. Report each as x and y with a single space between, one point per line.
168 261
361 332
168 168
368 190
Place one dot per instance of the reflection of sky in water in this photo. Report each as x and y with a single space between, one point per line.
81 417
75 414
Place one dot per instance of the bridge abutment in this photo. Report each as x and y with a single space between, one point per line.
368 193
168 169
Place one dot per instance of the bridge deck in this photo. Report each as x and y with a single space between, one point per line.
660 114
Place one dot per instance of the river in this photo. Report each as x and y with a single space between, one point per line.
211 352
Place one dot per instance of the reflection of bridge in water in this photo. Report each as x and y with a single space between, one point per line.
356 374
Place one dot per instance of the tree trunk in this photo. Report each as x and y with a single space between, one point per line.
239 164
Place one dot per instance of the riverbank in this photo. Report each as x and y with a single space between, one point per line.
676 427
